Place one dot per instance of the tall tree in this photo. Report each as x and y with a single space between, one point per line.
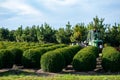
45 33
60 35
18 34
79 33
113 35
63 34
4 34
97 24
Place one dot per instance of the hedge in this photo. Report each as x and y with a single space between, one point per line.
68 53
92 49
111 59
56 46
85 59
31 58
18 55
52 61
6 58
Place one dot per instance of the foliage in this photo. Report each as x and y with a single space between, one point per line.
113 35
68 53
6 58
63 35
85 59
52 61
31 58
94 50
18 55
79 33
46 34
111 59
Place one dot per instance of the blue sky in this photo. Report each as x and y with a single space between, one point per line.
57 13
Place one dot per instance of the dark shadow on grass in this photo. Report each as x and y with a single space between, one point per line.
34 72
89 72
27 72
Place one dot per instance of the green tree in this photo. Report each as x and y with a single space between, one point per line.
4 34
60 36
18 34
98 25
113 35
45 33
63 34
11 35
79 33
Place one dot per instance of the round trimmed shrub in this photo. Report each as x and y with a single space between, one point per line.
18 55
31 58
94 50
52 61
111 59
85 59
68 53
6 58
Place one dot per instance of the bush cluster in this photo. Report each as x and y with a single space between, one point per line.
55 61
7 58
27 54
17 52
68 53
56 46
111 59
85 59
31 57
52 61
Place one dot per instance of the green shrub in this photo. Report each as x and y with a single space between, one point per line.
85 59
52 61
47 45
2 45
31 58
18 55
111 59
68 53
56 46
6 58
94 50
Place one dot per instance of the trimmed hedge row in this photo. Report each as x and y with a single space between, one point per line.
85 59
7 58
68 53
31 57
52 61
94 50
55 61
22 52
17 55
111 59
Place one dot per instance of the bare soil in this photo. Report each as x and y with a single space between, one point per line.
40 72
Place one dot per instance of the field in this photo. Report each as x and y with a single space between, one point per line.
35 61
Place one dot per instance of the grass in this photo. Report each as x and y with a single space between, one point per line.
30 75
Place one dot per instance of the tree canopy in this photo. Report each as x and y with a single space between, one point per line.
70 33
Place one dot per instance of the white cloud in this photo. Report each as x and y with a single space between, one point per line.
59 2
19 7
55 4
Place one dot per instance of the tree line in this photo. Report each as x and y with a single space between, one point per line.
46 34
